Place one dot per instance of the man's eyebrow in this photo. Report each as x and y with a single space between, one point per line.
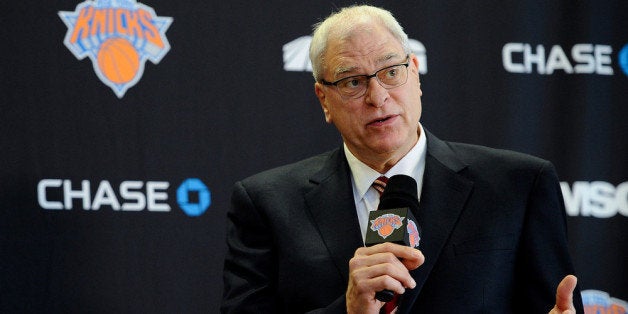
343 70
388 57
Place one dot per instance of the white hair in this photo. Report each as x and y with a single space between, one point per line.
342 23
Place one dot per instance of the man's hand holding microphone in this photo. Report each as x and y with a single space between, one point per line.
383 266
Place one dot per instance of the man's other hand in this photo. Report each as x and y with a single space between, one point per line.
564 296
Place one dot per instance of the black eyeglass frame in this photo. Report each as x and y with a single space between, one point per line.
368 77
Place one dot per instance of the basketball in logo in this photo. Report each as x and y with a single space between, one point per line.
118 36
118 60
386 224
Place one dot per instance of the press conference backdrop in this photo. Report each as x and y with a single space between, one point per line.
125 124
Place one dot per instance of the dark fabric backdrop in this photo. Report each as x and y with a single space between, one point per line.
229 94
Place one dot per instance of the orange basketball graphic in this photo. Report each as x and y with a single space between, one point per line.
118 60
386 224
386 230
103 31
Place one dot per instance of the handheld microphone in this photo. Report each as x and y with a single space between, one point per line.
393 220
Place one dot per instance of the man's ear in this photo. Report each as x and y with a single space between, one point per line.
322 98
414 63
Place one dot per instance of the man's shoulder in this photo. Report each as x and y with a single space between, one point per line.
487 158
474 151
293 172
460 155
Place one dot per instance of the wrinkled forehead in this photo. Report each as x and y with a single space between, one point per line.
361 49
360 36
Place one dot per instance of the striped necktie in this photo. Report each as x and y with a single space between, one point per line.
379 185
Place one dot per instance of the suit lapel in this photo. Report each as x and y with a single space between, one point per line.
330 203
332 209
443 197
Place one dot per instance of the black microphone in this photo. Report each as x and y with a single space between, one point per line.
393 220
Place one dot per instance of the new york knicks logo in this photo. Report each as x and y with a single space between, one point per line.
414 236
386 224
118 36
596 301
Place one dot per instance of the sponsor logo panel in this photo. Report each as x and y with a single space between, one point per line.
597 199
118 36
192 196
386 224
598 302
582 58
296 56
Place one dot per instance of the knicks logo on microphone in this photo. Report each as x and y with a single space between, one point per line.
414 237
386 224
118 36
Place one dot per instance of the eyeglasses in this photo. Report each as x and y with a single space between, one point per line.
388 77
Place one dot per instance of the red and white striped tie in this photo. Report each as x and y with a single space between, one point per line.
380 184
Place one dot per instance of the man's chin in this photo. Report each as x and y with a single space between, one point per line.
386 148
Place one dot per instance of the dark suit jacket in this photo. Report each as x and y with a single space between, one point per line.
493 235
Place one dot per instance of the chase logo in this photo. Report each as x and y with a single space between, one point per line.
194 187
118 36
192 196
596 301
623 59
583 58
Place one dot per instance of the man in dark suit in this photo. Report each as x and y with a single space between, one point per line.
493 221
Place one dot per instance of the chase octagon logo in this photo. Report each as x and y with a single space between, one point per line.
118 36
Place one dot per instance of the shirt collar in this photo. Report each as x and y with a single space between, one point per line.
412 164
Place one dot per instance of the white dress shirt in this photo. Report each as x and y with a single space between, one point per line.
362 176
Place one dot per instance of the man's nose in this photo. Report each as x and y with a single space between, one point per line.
376 94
